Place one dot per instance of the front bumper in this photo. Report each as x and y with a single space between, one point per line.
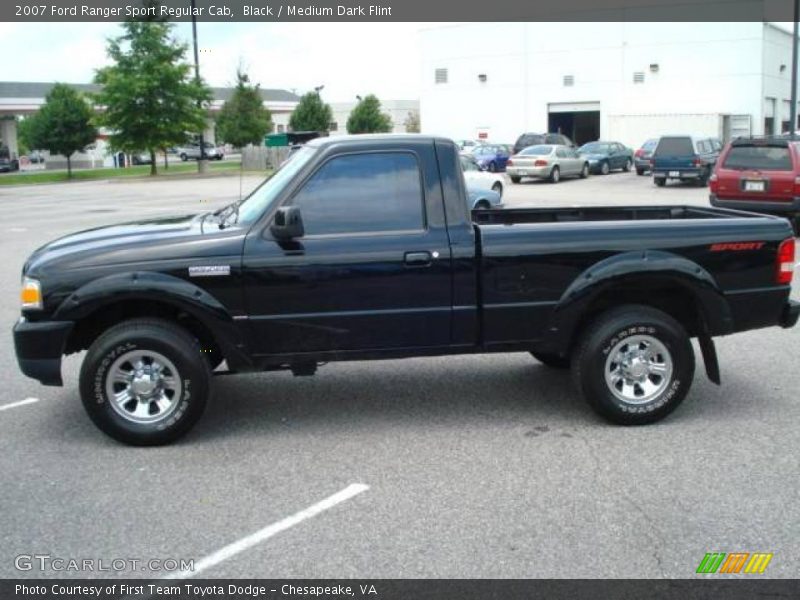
790 314
792 206
39 348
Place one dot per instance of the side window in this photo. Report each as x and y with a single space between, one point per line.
702 146
551 138
362 193
561 153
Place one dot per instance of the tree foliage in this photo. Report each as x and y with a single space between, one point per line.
311 114
367 117
244 119
63 125
412 123
150 97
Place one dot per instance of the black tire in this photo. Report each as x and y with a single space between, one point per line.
606 338
498 188
660 181
482 205
555 175
184 158
627 167
639 171
702 181
492 167
515 178
604 168
553 361
585 171
155 336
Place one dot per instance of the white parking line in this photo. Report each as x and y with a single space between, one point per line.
270 530
20 403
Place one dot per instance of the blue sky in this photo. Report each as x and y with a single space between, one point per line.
348 58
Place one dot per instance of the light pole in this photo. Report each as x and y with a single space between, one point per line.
201 162
793 110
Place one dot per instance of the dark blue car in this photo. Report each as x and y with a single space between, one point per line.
492 157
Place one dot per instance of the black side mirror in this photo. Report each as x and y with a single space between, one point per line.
288 224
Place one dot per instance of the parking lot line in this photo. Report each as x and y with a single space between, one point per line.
20 403
267 532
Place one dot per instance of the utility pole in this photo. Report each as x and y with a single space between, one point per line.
201 162
793 111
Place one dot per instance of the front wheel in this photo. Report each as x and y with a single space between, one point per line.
184 158
634 365
627 166
555 175
145 382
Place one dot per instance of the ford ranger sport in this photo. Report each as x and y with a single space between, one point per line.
364 247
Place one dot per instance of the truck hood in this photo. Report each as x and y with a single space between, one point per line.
135 243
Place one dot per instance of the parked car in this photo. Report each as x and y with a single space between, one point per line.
547 161
537 139
35 157
492 157
192 152
141 158
477 178
481 199
685 158
294 276
641 158
469 144
762 175
604 157
8 164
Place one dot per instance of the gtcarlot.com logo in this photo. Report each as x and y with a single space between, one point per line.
735 562
46 562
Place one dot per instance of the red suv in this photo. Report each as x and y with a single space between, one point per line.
761 175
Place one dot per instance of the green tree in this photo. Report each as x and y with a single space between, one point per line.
311 114
63 125
412 123
244 119
150 98
367 117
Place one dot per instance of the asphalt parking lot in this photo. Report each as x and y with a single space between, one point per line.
476 466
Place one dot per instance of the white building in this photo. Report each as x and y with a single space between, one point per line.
398 111
621 81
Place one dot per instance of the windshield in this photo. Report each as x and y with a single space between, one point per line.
595 148
264 195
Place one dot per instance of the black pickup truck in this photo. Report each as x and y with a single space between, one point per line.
364 248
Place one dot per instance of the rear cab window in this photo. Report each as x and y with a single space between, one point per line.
759 156
675 146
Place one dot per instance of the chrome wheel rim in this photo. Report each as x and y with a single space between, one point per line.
638 369
604 168
143 386
556 175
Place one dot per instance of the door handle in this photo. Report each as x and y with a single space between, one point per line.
417 259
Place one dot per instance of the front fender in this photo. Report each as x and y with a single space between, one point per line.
161 288
647 267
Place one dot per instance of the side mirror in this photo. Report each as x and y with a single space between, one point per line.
288 224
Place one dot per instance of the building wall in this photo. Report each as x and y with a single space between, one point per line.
701 69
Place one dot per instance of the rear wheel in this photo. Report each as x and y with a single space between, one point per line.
184 158
634 365
627 166
660 181
492 167
555 175
515 178
145 382
702 181
639 171
585 171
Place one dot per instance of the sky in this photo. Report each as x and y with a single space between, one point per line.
349 59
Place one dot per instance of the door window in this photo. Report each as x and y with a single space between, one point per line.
363 193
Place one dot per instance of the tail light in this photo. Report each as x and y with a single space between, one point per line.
509 163
540 162
784 263
713 183
697 162
638 153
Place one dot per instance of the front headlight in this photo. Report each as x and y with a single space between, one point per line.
31 295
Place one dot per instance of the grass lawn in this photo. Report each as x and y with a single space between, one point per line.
112 173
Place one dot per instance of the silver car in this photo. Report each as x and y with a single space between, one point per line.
192 152
547 161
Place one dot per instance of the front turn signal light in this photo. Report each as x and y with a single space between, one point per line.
31 295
